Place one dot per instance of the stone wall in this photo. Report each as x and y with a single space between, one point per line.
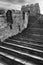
5 32
18 20
3 22
33 8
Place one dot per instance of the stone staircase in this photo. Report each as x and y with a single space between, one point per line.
25 47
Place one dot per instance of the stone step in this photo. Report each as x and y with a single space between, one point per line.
21 48
20 54
25 44
8 61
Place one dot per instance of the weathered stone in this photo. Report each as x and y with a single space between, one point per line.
33 8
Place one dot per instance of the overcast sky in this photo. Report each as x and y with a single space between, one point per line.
19 3
15 1
22 1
